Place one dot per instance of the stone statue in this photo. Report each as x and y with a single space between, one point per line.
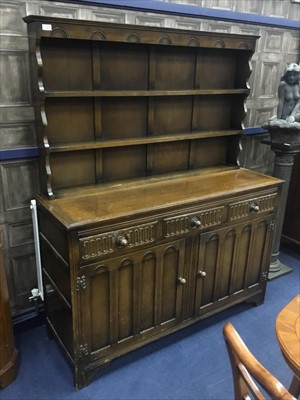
288 110
289 94
284 131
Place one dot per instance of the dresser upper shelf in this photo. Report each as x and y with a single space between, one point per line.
103 144
115 102
143 93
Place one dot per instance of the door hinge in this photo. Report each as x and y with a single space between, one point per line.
264 276
80 283
272 226
83 350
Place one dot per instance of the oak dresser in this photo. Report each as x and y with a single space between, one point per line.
147 223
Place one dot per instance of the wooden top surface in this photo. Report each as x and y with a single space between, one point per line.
288 333
124 200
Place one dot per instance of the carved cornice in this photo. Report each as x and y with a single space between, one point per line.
64 28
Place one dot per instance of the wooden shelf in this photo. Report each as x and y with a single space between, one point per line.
142 93
111 186
90 145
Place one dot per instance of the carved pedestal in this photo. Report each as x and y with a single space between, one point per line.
283 164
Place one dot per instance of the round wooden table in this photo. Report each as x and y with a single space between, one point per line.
288 335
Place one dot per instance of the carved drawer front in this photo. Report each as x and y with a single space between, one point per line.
181 224
256 205
106 243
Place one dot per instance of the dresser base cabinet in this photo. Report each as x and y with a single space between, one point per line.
119 275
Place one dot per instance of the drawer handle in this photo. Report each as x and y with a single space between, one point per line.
195 222
49 289
121 241
202 274
182 281
254 207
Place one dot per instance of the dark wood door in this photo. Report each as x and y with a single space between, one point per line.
232 261
137 294
8 352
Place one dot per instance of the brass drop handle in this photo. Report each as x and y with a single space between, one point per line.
195 222
254 207
121 241
182 281
202 274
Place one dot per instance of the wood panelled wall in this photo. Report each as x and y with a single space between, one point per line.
18 171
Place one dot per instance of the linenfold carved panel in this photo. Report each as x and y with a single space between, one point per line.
140 235
177 226
98 245
181 224
252 206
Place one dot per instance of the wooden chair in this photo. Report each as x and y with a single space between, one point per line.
246 369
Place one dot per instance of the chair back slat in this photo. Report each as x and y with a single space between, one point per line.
247 371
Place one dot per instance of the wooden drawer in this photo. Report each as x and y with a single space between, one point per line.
184 223
252 206
102 244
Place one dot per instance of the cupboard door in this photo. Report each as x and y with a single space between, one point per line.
138 293
232 262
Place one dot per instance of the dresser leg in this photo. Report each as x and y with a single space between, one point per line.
84 377
257 299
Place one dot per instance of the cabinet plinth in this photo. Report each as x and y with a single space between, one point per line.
147 223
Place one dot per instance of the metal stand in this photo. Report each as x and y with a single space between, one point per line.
283 165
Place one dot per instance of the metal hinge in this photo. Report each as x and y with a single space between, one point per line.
264 276
272 226
83 350
80 283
